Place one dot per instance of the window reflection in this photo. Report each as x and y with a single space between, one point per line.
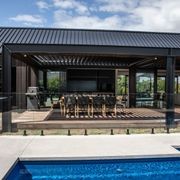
144 89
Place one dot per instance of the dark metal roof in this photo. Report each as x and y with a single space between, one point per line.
88 37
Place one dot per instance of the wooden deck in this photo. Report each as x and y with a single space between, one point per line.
133 118
30 116
128 114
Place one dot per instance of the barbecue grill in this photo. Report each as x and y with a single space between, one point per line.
33 101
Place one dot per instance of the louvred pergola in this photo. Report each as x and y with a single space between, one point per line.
62 48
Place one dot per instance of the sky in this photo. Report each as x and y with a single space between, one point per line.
140 15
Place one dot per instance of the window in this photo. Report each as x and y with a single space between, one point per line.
161 84
56 81
145 84
144 89
122 85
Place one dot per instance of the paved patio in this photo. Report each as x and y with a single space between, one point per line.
78 147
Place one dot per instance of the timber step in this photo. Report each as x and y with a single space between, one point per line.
92 124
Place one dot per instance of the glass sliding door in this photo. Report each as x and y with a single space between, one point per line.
178 84
161 84
144 89
177 90
122 85
56 82
53 82
56 85
161 89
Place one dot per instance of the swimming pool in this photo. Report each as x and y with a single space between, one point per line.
149 168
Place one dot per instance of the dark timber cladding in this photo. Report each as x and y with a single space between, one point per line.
37 42
6 108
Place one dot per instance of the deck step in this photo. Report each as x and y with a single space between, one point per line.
93 124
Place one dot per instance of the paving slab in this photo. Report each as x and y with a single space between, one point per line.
91 146
10 149
85 147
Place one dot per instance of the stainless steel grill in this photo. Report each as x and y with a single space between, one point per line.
32 95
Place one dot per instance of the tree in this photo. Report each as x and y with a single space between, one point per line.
54 85
121 85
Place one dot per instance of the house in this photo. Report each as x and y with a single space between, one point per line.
89 61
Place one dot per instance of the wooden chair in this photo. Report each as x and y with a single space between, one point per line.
110 105
70 105
62 106
120 104
83 105
97 105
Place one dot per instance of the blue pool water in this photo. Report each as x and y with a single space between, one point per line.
161 168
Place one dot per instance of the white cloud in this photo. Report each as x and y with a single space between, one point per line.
163 15
75 5
63 19
147 15
117 6
42 5
141 15
151 15
29 20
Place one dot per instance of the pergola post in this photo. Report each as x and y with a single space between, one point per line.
170 75
21 84
45 79
34 76
132 87
155 87
6 108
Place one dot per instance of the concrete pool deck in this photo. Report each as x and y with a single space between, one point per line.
74 147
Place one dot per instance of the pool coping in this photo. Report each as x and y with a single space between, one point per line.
70 158
10 169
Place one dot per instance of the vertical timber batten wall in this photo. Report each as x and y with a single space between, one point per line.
21 84
7 94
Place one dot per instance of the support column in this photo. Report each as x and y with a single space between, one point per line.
155 88
132 87
45 79
28 76
170 74
6 109
21 84
34 76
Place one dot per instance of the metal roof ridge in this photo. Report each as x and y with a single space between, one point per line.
92 30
